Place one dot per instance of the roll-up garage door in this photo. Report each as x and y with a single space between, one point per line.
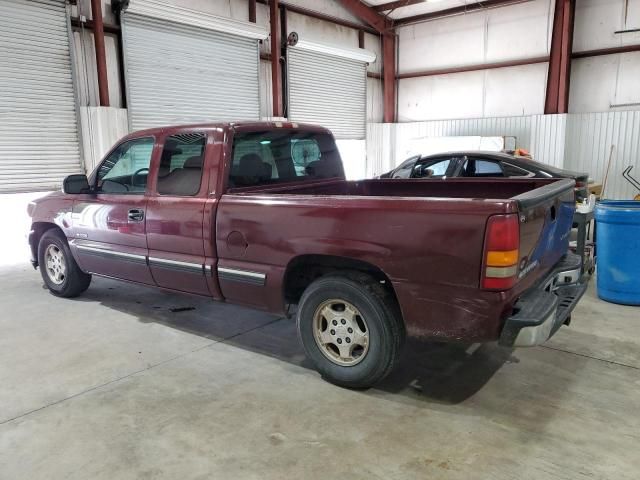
328 87
184 66
38 124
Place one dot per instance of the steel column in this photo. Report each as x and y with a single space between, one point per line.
252 11
101 58
389 77
276 69
558 79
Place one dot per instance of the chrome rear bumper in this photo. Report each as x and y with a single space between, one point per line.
542 310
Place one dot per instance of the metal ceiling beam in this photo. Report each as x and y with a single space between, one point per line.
558 79
461 10
384 7
368 15
322 16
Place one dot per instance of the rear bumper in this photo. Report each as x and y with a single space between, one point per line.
542 310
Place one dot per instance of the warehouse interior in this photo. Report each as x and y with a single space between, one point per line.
128 381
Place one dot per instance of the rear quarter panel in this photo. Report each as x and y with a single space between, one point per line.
430 249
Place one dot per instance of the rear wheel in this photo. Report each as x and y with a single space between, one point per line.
59 270
350 328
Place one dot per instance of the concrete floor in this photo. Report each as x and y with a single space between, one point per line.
116 385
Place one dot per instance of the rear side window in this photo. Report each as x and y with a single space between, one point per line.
481 168
180 171
513 171
270 157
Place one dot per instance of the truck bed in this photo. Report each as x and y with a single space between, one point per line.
426 236
450 188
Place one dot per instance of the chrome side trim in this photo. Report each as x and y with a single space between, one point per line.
176 265
101 252
244 276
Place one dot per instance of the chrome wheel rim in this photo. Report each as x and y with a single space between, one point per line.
55 264
341 332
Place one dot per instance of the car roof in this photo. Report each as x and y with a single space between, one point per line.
475 153
241 125
516 160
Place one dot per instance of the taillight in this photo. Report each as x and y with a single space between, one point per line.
501 252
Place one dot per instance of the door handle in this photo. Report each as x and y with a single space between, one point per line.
135 215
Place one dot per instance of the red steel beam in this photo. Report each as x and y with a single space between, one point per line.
389 77
322 16
101 57
384 7
276 69
474 68
461 10
606 51
368 15
558 79
252 11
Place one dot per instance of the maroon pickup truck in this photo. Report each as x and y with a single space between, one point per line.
260 214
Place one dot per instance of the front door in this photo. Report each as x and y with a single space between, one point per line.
175 215
109 224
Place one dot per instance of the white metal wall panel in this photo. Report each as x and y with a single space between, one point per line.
590 137
579 142
38 122
327 90
179 74
547 139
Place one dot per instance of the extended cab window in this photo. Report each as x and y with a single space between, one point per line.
126 169
278 156
180 171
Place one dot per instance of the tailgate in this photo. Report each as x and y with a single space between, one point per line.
546 217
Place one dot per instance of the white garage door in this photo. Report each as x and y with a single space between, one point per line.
38 125
186 67
329 88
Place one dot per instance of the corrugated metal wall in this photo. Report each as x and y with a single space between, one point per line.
327 90
179 74
574 141
590 137
38 123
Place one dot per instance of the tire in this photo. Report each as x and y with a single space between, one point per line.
377 318
60 272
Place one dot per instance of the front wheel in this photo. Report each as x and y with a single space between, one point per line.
59 270
350 328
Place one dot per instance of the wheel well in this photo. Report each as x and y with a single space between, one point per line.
303 270
39 228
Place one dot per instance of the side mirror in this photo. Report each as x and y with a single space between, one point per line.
74 184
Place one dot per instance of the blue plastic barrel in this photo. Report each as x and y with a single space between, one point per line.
618 251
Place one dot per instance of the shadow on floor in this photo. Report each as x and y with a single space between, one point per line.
430 371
